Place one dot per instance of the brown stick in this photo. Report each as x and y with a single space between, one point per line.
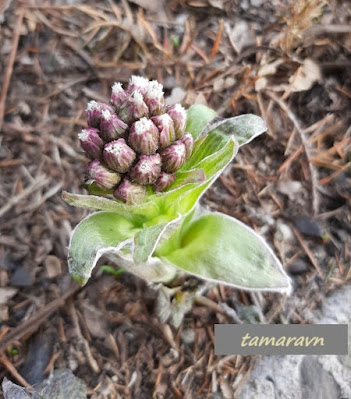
11 369
309 253
32 324
9 69
313 172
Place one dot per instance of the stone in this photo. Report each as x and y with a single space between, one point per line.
310 376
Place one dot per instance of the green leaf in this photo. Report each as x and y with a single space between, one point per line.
145 242
98 234
243 127
218 247
137 213
198 116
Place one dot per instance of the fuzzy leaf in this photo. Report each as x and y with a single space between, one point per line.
198 116
98 234
243 127
145 242
220 248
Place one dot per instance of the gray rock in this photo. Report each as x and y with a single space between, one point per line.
302 377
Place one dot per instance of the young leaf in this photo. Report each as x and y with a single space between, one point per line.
99 233
244 127
145 242
198 116
220 248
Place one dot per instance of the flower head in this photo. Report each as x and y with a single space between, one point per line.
130 193
133 108
164 181
143 137
91 142
178 114
133 142
118 95
147 169
188 140
165 126
93 112
111 126
154 98
104 178
173 157
118 155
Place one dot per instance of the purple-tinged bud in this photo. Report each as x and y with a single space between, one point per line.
154 98
133 108
93 112
130 193
146 170
188 141
164 124
164 181
118 95
138 83
173 157
143 137
104 178
111 126
178 114
91 142
118 155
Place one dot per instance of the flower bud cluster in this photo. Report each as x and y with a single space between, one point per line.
135 141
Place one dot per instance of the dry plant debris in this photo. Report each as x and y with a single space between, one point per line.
289 62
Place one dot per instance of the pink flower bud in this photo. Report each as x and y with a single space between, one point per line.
178 114
164 181
188 141
130 193
118 155
104 178
164 124
147 169
111 126
118 95
133 108
154 98
143 137
91 142
93 112
173 157
138 83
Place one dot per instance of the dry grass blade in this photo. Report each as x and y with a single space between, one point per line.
32 324
36 185
11 368
312 170
9 69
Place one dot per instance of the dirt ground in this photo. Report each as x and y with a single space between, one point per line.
288 61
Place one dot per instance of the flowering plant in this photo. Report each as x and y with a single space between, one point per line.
155 162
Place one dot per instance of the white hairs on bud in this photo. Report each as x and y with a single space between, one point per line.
154 90
179 149
180 109
166 177
137 97
83 135
92 105
114 147
139 81
145 166
165 118
117 87
106 114
143 125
